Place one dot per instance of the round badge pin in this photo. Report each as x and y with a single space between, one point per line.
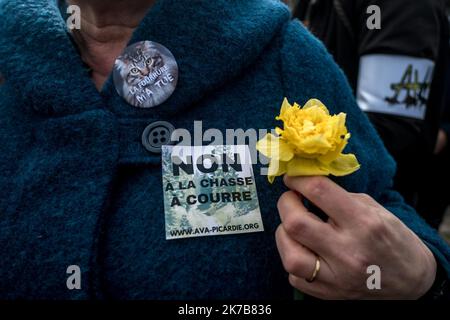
146 74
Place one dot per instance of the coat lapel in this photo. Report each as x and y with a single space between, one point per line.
212 41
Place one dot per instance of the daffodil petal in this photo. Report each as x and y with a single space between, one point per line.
344 165
315 144
316 103
286 152
276 169
284 109
310 142
279 131
266 145
305 167
275 148
333 155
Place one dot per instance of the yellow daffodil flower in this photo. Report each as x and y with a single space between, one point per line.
310 144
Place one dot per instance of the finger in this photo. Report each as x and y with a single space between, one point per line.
316 289
303 226
332 199
297 259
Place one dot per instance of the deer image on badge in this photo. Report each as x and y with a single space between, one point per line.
146 74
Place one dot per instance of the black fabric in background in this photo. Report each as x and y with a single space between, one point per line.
435 194
418 29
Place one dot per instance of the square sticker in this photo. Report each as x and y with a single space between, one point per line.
209 191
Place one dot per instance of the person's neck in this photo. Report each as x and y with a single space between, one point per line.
106 28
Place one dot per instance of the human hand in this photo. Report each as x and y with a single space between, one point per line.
359 233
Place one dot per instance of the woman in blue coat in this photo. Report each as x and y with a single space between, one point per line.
82 213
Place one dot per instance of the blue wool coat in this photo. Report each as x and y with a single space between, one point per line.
78 188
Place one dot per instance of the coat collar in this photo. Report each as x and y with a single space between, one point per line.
213 41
